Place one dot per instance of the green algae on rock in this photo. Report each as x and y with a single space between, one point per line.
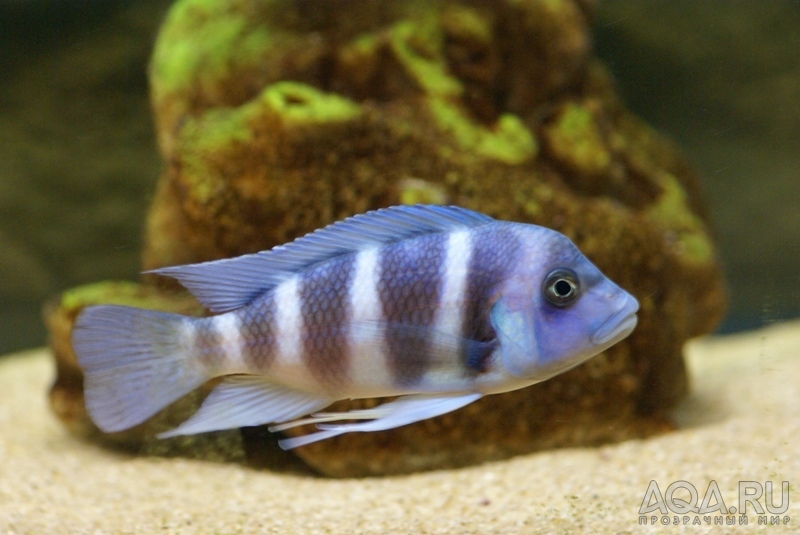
509 141
304 113
574 138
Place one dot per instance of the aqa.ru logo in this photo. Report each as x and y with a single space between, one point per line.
750 492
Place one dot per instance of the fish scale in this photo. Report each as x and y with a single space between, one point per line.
437 305
409 289
494 250
206 344
257 324
324 304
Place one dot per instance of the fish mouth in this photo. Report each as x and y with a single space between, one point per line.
618 326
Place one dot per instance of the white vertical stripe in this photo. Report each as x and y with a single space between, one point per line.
367 342
227 327
450 313
365 302
288 321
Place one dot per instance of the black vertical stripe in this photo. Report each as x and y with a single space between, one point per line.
207 343
409 289
257 324
495 249
325 307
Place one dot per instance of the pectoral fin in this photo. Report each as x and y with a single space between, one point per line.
515 332
397 413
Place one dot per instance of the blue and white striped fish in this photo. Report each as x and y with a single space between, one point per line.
438 305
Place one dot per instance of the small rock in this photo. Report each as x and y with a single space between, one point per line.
278 118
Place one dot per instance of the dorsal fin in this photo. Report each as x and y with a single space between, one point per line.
223 285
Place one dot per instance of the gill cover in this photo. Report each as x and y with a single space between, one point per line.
514 329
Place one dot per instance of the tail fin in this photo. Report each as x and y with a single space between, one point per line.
135 363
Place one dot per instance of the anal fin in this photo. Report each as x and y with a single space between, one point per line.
248 400
402 411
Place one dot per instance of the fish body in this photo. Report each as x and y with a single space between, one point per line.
437 305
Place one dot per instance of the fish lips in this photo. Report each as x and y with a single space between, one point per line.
619 325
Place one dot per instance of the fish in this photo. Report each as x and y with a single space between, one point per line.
431 306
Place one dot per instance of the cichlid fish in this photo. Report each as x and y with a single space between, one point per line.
437 305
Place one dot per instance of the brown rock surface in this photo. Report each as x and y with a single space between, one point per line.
277 118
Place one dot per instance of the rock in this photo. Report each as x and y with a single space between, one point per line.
277 118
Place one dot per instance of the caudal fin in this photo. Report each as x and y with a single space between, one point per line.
135 362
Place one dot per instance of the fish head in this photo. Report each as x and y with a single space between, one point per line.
556 309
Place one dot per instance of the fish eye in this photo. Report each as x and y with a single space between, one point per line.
561 287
